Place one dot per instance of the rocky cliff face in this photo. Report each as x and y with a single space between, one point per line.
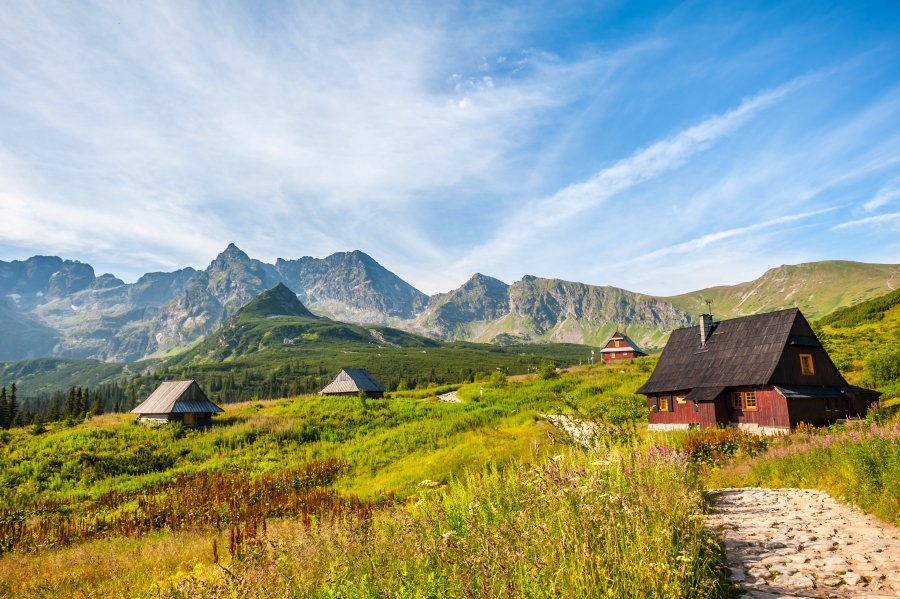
352 287
101 317
539 310
450 315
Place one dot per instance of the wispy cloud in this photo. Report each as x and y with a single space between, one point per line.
645 164
711 238
885 195
871 220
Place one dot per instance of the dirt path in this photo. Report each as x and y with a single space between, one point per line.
449 397
802 543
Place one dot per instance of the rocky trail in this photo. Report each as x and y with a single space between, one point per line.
803 543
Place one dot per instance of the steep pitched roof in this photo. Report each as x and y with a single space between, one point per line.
353 380
627 340
741 351
176 396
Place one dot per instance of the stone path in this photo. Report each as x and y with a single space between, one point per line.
802 543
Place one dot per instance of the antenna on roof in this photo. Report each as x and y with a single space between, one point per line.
709 304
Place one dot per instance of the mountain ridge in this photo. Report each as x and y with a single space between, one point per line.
56 307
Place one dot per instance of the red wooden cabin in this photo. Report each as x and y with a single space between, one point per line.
620 347
765 373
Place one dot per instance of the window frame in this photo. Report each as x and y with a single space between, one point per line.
680 399
804 363
663 403
737 400
748 397
617 344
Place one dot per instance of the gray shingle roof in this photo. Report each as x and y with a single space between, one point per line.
176 396
741 351
353 380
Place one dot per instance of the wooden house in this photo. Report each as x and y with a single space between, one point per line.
350 381
620 347
178 401
764 373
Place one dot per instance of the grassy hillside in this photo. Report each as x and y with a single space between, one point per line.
45 375
115 509
817 288
864 342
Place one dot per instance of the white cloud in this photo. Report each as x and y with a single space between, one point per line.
871 220
885 195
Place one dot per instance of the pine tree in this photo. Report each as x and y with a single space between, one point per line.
70 408
97 407
4 409
53 414
132 400
79 403
13 409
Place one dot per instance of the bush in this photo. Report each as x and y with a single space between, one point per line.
547 370
498 378
882 366
711 447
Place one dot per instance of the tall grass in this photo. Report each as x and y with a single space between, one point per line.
627 525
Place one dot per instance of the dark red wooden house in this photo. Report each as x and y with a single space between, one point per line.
620 347
765 373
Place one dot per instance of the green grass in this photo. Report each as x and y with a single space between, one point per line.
487 512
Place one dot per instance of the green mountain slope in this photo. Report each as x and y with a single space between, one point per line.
817 288
864 342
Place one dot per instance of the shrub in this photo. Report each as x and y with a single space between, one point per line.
882 366
711 447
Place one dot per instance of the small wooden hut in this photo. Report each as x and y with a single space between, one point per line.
620 347
350 381
178 401
763 373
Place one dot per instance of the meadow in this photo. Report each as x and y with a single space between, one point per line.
358 497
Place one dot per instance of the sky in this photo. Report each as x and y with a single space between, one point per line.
660 147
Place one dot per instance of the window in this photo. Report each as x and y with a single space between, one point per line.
750 400
806 364
617 344
612 356
736 402
679 399
664 403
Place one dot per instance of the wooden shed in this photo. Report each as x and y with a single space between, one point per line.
178 401
765 373
350 381
620 347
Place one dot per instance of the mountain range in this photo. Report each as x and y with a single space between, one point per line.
55 307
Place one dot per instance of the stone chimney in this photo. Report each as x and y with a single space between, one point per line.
706 326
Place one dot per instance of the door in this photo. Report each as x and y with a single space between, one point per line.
189 419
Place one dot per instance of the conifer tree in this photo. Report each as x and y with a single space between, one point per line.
53 414
132 401
13 408
79 403
4 409
71 406
97 407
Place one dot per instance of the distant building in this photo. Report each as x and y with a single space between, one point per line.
178 401
764 373
350 381
620 347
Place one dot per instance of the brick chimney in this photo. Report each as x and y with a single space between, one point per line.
706 326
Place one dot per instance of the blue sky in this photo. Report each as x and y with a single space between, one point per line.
659 147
